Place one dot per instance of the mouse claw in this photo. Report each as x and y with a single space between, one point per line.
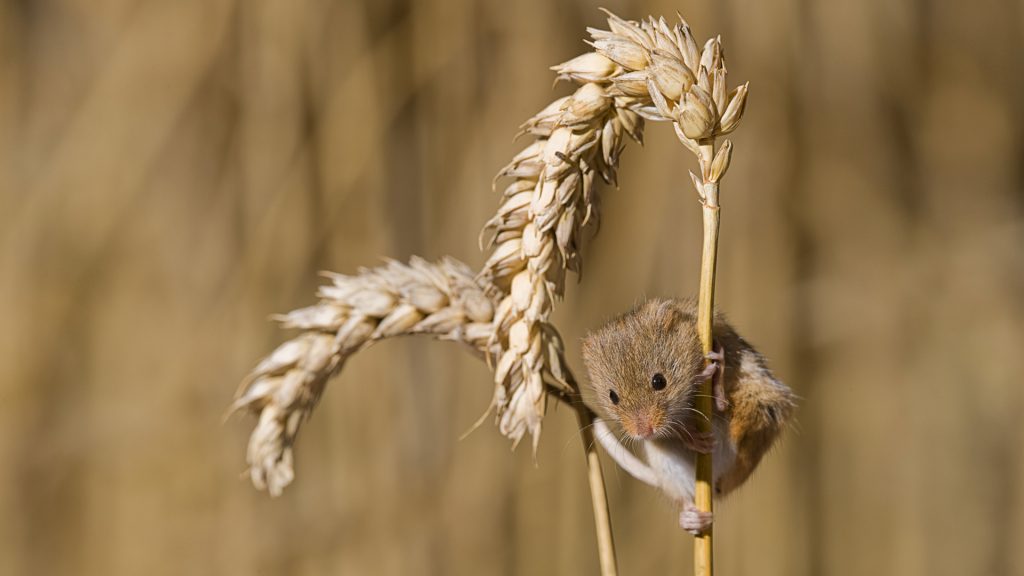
702 442
716 355
695 521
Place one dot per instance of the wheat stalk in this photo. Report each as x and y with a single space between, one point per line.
646 70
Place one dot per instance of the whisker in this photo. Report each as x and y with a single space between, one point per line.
681 427
710 396
702 415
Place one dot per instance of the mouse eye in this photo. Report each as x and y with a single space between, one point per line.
613 396
658 382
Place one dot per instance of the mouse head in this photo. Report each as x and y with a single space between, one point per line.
644 369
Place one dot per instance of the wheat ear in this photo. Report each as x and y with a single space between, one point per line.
638 70
441 299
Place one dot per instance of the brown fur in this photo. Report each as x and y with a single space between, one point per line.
660 336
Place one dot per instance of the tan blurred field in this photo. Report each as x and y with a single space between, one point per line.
174 171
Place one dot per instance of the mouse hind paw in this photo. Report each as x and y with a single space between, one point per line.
695 521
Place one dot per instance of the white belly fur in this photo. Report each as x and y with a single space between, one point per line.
674 464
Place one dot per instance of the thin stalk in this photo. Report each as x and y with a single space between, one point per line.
595 477
598 494
703 551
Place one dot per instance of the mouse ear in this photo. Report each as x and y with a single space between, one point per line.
667 315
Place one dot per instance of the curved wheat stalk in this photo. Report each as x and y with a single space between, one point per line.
638 70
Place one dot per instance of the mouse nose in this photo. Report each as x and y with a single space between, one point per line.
644 427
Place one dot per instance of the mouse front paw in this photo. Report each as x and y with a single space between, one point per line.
694 521
700 442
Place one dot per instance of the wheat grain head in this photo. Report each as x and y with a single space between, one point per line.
441 299
646 70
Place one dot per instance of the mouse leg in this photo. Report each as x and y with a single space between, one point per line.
693 520
716 371
704 442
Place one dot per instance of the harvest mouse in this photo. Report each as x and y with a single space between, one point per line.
646 368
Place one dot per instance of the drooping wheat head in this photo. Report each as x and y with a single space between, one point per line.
647 70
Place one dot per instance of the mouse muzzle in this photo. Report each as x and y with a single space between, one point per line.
643 424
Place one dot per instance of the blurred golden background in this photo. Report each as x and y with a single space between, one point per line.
174 171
